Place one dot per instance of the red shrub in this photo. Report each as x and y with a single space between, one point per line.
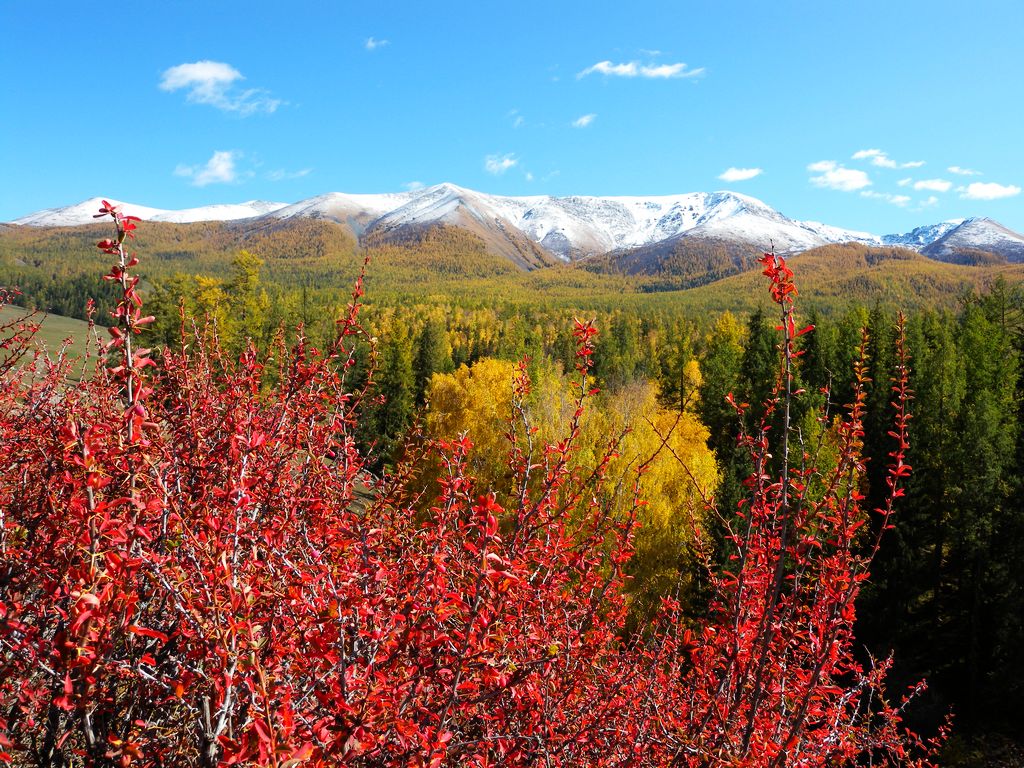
197 569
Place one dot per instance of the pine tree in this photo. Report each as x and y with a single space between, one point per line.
395 388
433 355
722 361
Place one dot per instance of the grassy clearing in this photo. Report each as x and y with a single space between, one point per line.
53 333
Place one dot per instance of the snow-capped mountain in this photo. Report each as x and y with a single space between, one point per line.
567 227
83 213
357 211
977 234
922 236
572 227
581 226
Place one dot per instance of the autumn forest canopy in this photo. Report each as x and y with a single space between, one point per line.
306 500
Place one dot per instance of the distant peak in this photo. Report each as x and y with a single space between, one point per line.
446 187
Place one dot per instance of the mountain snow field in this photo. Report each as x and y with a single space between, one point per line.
571 227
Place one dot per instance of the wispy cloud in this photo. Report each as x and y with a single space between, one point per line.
882 159
528 176
905 182
988 191
213 83
963 171
739 174
584 120
283 175
636 69
933 185
877 157
901 201
833 175
373 43
219 169
517 119
498 164
412 186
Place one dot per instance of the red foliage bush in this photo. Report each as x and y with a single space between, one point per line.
197 569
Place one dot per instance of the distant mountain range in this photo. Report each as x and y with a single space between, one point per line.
530 230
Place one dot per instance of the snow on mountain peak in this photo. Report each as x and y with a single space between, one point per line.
977 233
569 227
84 213
922 236
81 213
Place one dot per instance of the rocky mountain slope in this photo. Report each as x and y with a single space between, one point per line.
639 231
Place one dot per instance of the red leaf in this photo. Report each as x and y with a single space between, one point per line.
147 632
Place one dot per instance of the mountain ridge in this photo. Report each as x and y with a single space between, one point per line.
572 227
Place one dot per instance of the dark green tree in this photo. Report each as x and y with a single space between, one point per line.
759 365
395 387
946 591
722 360
433 355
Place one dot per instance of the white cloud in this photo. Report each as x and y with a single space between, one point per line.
876 156
670 70
498 164
835 176
933 185
373 43
963 171
412 186
584 120
900 201
905 182
212 83
739 174
219 169
929 202
882 159
989 191
528 176
204 78
636 69
517 119
283 175
632 69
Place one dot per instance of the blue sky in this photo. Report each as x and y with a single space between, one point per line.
871 115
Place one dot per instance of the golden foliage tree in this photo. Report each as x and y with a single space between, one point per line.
680 470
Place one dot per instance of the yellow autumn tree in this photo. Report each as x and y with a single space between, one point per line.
476 401
679 470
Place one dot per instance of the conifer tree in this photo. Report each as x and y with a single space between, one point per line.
433 355
395 389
